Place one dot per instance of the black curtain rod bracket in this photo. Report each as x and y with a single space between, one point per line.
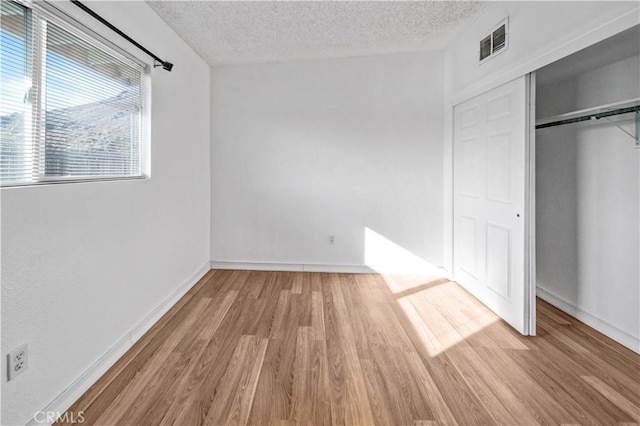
166 65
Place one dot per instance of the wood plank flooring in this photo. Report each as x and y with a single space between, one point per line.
262 348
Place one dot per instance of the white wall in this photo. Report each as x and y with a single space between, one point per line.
534 27
304 150
588 202
83 264
539 33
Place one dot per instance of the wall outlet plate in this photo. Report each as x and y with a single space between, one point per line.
17 362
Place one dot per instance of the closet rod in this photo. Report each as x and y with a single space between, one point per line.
595 116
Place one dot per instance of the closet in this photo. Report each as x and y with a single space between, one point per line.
587 186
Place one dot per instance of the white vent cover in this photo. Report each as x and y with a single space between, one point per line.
495 42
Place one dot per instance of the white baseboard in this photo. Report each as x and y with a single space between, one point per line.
591 320
71 394
154 316
257 266
315 267
290 267
340 269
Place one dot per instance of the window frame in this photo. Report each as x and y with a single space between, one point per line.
42 12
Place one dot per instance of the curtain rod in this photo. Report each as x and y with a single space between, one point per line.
587 117
164 64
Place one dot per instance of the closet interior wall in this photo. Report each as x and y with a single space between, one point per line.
588 193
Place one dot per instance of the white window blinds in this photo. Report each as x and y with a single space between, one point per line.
70 109
15 93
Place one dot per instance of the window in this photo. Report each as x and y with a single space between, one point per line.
70 106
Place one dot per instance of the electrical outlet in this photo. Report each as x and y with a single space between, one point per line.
17 362
331 240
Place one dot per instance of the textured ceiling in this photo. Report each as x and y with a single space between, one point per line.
233 32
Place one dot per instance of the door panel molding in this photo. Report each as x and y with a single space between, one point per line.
491 227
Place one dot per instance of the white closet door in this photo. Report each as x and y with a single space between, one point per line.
490 143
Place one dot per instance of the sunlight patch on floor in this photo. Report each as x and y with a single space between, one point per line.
441 312
436 333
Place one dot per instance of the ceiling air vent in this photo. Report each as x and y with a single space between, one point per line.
495 42
485 48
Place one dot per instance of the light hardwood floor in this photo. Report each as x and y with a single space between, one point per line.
317 348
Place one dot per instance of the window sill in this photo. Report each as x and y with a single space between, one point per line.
73 179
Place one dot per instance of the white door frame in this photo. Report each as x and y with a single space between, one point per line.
530 209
